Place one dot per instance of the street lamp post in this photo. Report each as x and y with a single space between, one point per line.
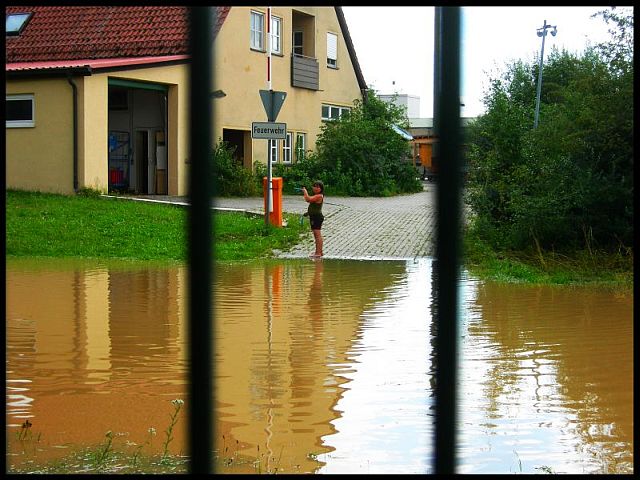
542 32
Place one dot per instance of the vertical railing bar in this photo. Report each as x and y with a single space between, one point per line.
200 243
448 203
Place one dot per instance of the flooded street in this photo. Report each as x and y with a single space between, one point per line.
321 367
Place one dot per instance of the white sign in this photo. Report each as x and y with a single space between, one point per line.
269 130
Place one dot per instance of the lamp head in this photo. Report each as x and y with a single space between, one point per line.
554 31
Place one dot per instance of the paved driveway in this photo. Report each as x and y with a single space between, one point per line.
400 227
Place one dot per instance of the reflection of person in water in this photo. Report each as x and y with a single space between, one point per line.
315 294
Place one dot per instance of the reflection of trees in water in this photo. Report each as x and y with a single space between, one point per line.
579 338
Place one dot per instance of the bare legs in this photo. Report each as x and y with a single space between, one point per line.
317 236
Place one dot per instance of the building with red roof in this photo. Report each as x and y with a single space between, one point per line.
97 96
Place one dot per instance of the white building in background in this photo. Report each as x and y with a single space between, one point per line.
411 102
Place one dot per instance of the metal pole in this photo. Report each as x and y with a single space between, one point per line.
200 243
447 235
544 35
270 119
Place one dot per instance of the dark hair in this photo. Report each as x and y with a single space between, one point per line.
318 183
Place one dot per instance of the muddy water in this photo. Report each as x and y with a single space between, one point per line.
321 367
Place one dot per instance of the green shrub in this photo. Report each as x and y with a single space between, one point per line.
301 173
567 184
230 178
360 154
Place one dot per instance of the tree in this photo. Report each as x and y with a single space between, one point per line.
360 154
570 181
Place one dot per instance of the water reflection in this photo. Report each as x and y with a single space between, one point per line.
322 366
547 380
92 348
296 329
386 411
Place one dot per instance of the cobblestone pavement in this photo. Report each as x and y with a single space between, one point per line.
401 227
374 228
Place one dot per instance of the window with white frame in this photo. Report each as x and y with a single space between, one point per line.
257 30
20 111
274 150
332 50
276 35
286 148
333 112
301 142
298 45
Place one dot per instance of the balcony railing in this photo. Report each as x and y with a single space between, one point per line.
304 72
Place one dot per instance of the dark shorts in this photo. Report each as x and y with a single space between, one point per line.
316 221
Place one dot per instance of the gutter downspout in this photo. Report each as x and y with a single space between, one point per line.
75 132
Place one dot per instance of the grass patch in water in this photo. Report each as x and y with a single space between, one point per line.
611 270
128 458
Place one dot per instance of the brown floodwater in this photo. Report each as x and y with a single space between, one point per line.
321 367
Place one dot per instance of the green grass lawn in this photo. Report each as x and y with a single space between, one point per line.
90 226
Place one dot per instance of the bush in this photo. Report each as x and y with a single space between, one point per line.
301 173
230 178
360 154
568 183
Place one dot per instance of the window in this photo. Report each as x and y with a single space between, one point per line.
300 146
20 111
332 50
333 112
257 30
286 148
273 150
297 43
16 23
276 35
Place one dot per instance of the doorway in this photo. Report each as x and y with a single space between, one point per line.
237 139
141 161
139 111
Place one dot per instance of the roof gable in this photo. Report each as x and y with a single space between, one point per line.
77 32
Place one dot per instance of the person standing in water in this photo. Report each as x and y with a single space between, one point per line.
315 214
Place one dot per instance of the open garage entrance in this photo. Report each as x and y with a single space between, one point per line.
137 161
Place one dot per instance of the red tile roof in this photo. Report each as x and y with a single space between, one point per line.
73 32
91 64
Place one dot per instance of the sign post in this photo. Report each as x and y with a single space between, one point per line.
272 102
269 205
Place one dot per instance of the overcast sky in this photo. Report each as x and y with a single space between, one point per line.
395 44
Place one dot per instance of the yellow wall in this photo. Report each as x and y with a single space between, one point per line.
40 158
92 132
241 73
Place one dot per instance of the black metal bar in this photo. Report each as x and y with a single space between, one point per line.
447 124
200 243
